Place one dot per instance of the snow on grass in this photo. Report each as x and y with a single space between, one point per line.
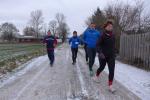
10 77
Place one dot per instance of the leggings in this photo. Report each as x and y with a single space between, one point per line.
111 66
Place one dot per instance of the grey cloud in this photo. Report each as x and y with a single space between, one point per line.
76 11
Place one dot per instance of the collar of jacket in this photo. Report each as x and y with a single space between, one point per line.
108 33
74 36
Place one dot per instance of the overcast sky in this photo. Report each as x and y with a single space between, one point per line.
76 11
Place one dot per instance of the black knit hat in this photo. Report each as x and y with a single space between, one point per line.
74 32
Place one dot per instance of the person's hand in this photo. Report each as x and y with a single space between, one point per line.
54 45
102 56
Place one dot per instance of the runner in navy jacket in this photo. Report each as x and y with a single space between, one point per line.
51 43
74 42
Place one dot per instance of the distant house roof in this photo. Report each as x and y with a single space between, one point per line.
27 37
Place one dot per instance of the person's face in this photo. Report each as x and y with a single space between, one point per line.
74 34
109 27
92 26
48 33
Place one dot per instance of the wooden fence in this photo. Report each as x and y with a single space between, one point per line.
136 49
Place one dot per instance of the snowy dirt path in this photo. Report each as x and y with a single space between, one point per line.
63 81
134 79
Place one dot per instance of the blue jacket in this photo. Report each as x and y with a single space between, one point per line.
90 37
74 42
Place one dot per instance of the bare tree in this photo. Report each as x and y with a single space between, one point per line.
64 31
36 21
62 28
44 29
29 31
143 22
98 18
129 17
53 26
60 18
9 31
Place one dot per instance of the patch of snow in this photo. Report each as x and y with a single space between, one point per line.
136 80
10 77
84 91
31 81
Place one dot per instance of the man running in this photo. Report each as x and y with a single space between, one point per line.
106 51
74 42
51 43
90 38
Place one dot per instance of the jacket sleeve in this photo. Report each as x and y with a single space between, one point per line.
99 44
84 37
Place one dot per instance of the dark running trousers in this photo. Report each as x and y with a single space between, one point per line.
111 66
86 54
74 54
51 56
92 55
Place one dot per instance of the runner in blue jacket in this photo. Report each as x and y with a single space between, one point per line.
90 38
74 42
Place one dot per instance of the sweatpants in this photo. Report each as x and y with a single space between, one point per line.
51 56
111 66
74 54
91 54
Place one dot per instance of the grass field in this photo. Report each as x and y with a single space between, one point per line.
11 55
12 50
